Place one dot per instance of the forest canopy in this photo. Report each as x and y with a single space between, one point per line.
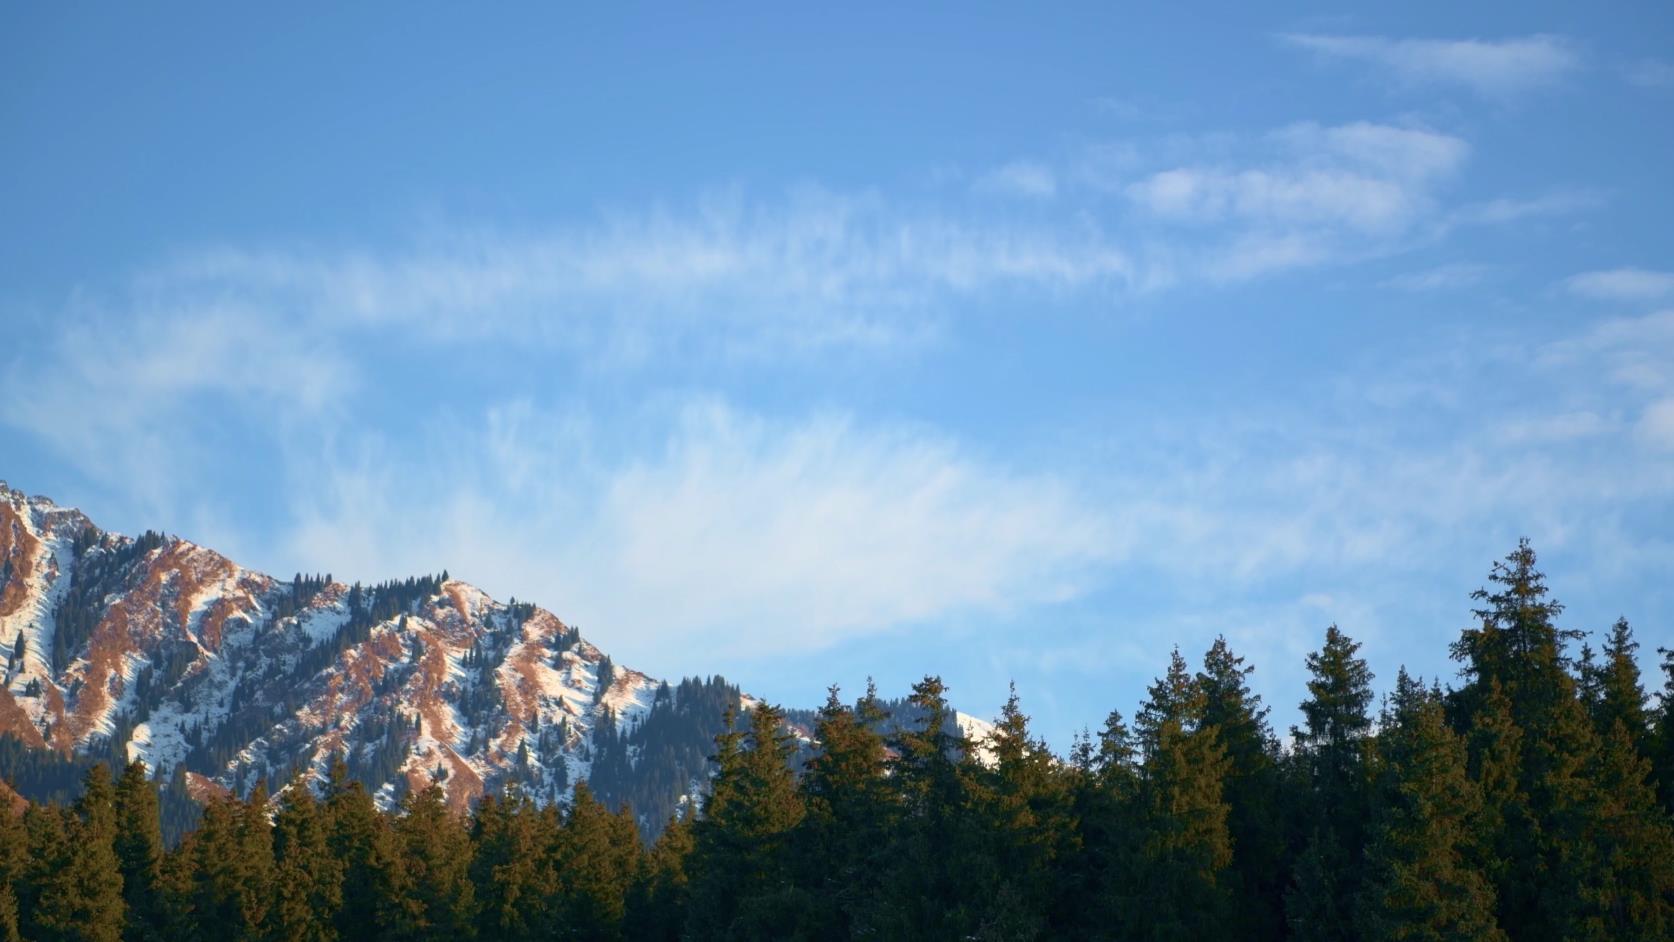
1531 799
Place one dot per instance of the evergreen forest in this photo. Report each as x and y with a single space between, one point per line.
1529 798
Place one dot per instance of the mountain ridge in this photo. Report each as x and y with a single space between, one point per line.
158 649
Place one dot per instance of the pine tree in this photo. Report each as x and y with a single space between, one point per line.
657 901
1518 650
1104 870
360 838
927 895
1421 883
14 861
1022 810
1627 889
1252 791
308 877
1185 848
40 893
1662 737
1621 696
510 870
139 851
742 885
436 853
229 898
78 880
1332 749
843 841
595 858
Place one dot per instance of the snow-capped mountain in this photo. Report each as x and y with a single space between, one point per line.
216 676
158 649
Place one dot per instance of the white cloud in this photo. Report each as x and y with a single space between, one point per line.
1441 278
738 533
1366 178
1656 425
1636 352
1622 284
816 271
1554 429
123 395
1650 73
1025 178
1493 68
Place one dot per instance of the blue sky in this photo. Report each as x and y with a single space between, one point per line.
807 345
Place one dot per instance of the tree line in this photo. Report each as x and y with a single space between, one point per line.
1530 801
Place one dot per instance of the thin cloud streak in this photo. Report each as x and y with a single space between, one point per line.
1491 68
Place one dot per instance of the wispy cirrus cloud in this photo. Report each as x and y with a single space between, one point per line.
813 271
1026 178
757 535
1492 68
1622 284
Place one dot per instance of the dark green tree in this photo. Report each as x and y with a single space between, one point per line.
139 852
843 842
1252 792
1421 883
308 877
1332 748
1185 849
742 881
436 852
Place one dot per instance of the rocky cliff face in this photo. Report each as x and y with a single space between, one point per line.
158 649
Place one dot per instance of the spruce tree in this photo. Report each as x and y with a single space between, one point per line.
1421 883
139 852
1517 650
742 885
1252 791
436 851
1621 696
41 897
1626 839
359 837
1022 810
656 909
1185 849
1662 736
596 856
926 893
308 877
14 861
79 880
1332 753
510 867
843 842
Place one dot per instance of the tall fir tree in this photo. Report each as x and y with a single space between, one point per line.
1332 758
926 893
1023 807
1252 792
14 852
1518 649
1662 735
843 842
361 839
79 882
139 852
1621 695
1421 882
596 857
743 884
1185 849
510 868
440 899
308 877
